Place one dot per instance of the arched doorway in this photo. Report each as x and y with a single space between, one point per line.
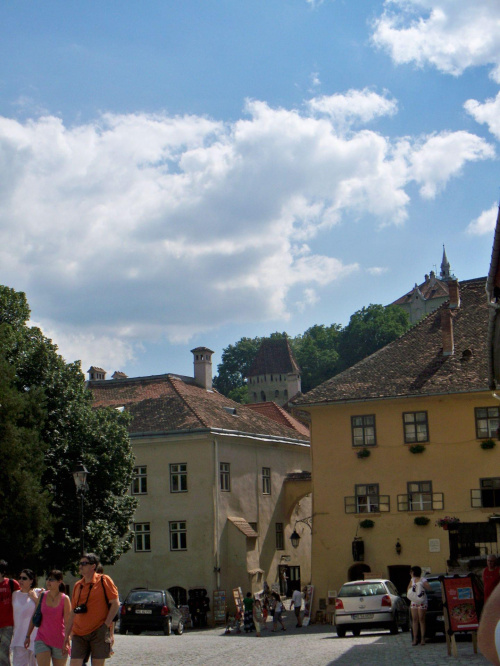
357 571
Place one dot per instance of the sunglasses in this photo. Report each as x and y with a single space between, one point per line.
83 564
24 578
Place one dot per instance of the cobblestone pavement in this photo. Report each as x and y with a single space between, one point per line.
317 645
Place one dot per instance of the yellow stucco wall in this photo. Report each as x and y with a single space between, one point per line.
453 461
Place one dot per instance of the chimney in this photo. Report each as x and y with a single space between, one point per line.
203 367
96 373
447 332
454 294
117 374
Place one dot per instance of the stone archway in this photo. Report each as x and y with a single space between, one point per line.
357 571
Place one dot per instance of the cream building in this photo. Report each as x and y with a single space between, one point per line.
219 486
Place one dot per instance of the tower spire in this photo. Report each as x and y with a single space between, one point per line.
445 267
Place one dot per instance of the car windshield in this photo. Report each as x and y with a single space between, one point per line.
362 590
435 586
144 597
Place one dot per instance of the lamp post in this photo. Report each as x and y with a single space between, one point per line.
295 536
80 477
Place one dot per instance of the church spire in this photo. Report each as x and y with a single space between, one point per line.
445 268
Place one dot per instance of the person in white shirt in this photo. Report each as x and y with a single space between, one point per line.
24 602
297 606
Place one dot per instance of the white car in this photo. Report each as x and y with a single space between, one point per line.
370 604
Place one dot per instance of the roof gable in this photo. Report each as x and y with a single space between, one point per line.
274 356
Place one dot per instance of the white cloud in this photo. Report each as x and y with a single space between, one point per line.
135 227
451 35
355 106
377 270
487 113
485 223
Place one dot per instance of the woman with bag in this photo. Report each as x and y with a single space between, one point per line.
56 611
416 593
24 602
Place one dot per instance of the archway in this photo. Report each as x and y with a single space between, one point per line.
357 571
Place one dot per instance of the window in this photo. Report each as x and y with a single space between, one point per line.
280 541
140 481
487 421
266 480
253 526
416 428
490 491
420 496
367 498
363 430
178 478
142 537
178 535
225 478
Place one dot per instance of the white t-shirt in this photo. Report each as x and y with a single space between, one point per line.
23 607
297 598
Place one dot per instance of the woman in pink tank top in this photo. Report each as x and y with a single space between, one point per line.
56 610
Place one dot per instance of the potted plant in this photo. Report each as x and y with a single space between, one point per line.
421 520
488 444
363 453
417 448
447 521
366 523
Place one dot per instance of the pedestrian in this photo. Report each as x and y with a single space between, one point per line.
95 603
258 616
248 603
296 604
56 612
7 588
24 602
278 610
491 575
416 593
265 611
488 634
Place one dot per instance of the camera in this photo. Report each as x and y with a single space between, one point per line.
82 608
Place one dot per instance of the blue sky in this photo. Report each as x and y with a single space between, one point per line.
176 174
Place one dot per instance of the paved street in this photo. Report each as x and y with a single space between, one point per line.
316 645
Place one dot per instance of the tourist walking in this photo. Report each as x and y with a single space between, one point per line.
56 612
278 610
95 603
296 604
258 616
248 603
416 593
7 588
24 602
491 575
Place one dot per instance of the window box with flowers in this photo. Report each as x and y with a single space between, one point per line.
421 520
488 444
417 448
447 521
367 523
363 453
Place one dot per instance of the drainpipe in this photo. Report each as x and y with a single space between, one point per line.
216 511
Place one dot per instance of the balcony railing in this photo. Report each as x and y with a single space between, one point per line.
367 504
421 502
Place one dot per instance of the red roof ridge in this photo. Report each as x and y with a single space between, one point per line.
175 385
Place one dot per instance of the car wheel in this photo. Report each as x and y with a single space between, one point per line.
356 631
167 627
393 628
180 628
136 631
341 632
123 630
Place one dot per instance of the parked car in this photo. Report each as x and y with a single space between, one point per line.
434 619
370 604
150 610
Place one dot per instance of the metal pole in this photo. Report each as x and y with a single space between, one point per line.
82 526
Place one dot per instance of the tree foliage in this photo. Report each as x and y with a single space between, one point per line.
50 425
321 351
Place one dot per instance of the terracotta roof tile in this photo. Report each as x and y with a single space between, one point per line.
243 526
278 414
166 403
414 363
432 288
274 356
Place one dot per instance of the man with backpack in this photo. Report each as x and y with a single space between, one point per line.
95 603
7 587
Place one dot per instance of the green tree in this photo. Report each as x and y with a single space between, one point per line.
60 419
370 329
235 362
317 355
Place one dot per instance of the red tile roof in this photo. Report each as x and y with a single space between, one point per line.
166 403
414 364
432 288
278 414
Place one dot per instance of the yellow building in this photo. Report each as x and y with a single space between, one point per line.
427 392
219 486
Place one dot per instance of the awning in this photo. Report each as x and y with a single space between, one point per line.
243 526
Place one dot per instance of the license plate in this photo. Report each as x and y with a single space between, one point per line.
363 616
139 611
440 618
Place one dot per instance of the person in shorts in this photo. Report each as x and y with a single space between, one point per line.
95 603
7 587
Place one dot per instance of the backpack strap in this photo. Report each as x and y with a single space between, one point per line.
105 595
11 585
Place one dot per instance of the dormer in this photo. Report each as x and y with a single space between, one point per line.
96 373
